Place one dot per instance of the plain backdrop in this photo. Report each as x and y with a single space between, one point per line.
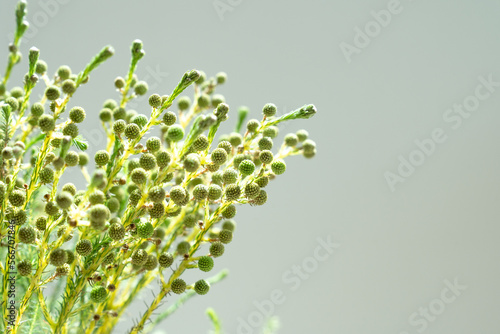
397 249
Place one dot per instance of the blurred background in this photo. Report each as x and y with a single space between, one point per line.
393 227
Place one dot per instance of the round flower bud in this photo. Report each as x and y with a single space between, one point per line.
46 123
157 211
139 176
175 133
261 198
269 110
155 101
70 188
229 212
140 120
169 118
217 178
84 247
64 72
246 167
156 194
219 156
221 78
302 135
153 144
308 146
147 161
105 115
183 102
253 125
163 159
151 263
201 143
68 86
252 190
116 231
17 198
266 156
214 192
271 132
132 131
52 93
119 126
119 113
216 249
141 87
7 153
139 257
309 155
27 234
278 167
235 139
233 192
18 217
183 247
229 176
229 225
265 143
64 199
37 109
17 92
99 212
71 130
217 99
135 197
178 286
41 67
98 294
203 101
83 159
225 236
71 256
97 197
56 142
71 158
113 204
58 257
51 209
212 168
201 287
291 139
200 192
101 158
177 194
205 263
192 162
165 260
189 220
120 82
24 268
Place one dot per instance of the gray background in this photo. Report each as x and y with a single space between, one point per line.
396 247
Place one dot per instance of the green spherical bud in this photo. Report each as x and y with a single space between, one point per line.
46 123
302 135
139 176
68 87
119 126
265 143
52 93
97 197
219 156
56 142
229 212
105 115
253 125
119 113
84 247
151 263
27 234
217 178
71 256
214 192
169 118
12 102
153 144
71 130
156 194
98 294
17 198
159 233
201 287
71 158
233 192
226 145
201 143
41 67
271 132
266 156
163 159
191 162
309 146
64 199
200 192
58 257
183 247
51 209
189 220
235 139
178 194
309 154
229 176
203 101
101 158
205 263
217 99
155 101
63 270
61 231
261 198
291 139
178 286
269 110
145 230
175 133
83 159
217 249
157 210
113 204
141 87
99 212
17 92
70 188
221 78
252 190
64 72
24 268
225 236
246 167
165 260
229 225
18 217
116 231
147 161
37 109
132 131
7 153
278 167
120 82
139 257
135 197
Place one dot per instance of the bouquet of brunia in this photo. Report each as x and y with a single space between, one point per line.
151 202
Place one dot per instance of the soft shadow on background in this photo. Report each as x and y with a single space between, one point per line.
405 184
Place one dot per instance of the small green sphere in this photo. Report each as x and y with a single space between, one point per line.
139 119
37 109
71 256
139 176
7 153
64 72
41 67
201 287
291 139
119 113
19 217
17 92
24 268
97 197
163 158
225 236
139 257
147 161
178 194
246 167
68 87
99 212
235 139
189 220
175 133
165 260
63 270
302 135
266 156
253 125
229 212
200 192
261 198
269 110
183 102
46 123
229 225
151 263
17 198
101 158
229 176
52 93
178 286
309 146
134 197
265 143
105 115
27 234
51 209
98 294
221 78
84 247
192 162
157 211
58 257
252 190
201 143
83 159
116 231
169 118
203 101
226 145
217 178
69 187
153 144
233 192
271 132
219 156
156 194
278 167
205 263
120 82
217 99
214 192
155 101
71 130
132 131
64 199
113 204
119 126
217 249
141 87
72 158
183 247
309 155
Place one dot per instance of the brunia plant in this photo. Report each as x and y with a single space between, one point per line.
154 206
